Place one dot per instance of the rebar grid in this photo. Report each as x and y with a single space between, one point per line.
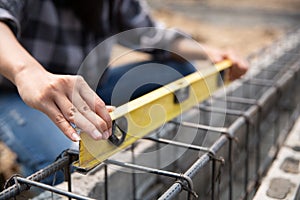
269 92
259 111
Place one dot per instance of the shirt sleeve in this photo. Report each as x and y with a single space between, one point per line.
140 32
10 13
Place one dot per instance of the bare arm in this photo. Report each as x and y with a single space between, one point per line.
65 99
192 50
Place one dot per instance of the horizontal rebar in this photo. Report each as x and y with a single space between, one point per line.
51 188
178 144
233 99
141 168
200 126
59 164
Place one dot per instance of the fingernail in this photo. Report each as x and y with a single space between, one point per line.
76 137
110 131
97 135
106 134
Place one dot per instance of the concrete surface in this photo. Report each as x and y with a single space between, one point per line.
283 180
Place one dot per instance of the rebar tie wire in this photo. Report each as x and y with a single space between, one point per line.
12 190
186 184
14 181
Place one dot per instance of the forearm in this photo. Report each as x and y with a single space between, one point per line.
14 59
65 99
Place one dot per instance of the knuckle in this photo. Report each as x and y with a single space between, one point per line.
71 114
85 108
55 84
79 81
87 127
79 78
39 101
42 97
102 125
59 119
108 121
63 124
60 82
100 103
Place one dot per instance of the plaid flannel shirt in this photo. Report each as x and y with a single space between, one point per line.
57 38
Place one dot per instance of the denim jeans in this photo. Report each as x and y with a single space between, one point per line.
122 84
30 134
37 141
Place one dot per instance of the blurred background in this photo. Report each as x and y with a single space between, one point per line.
245 25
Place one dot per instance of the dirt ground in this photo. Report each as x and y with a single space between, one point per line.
8 164
245 26
235 38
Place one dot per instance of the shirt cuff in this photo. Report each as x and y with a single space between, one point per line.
11 21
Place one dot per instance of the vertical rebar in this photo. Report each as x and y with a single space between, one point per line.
230 169
213 178
133 173
158 164
105 182
276 129
247 146
257 147
67 176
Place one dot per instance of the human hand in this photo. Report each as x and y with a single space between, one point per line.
66 99
239 65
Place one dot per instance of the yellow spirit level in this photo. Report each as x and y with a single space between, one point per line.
143 115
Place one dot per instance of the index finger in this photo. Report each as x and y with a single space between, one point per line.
97 105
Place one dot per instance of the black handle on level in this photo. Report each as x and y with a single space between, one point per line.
119 132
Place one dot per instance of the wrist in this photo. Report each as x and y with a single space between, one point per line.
25 71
